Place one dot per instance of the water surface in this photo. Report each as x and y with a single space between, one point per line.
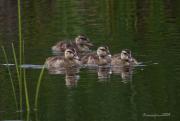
150 28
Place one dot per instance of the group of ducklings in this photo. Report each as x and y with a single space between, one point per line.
78 52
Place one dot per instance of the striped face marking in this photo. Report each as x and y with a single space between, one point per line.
69 53
102 51
125 55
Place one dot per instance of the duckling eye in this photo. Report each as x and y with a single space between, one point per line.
70 51
83 38
103 49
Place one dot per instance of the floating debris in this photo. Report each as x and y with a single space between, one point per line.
32 66
156 115
155 63
9 64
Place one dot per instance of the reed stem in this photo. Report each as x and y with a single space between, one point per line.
38 86
9 71
18 76
26 90
20 51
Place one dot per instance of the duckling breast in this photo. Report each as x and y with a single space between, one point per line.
105 61
91 60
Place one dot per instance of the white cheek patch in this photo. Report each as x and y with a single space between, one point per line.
124 56
98 52
76 57
110 55
66 53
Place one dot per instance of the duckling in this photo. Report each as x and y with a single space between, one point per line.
123 59
80 43
101 57
70 59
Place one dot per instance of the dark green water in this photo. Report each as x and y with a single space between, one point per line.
150 28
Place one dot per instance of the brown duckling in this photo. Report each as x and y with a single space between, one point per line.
81 44
123 59
101 57
70 59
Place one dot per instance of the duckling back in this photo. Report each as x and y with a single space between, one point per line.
90 58
80 43
61 46
60 62
54 62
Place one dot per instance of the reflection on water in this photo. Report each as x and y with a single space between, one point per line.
71 80
103 73
125 72
156 115
150 28
71 75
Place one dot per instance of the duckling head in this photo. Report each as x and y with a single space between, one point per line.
126 54
103 51
83 41
70 53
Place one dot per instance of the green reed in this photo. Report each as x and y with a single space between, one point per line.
21 72
26 90
38 87
10 75
17 67
18 76
20 51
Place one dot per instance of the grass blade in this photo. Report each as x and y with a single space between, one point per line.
10 75
38 86
18 75
26 90
20 49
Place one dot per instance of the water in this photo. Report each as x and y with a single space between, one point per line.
150 28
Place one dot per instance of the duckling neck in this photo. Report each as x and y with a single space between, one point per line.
70 62
82 48
68 59
126 60
104 60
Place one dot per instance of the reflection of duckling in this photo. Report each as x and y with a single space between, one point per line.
125 72
70 59
63 71
103 73
81 44
71 78
102 57
123 59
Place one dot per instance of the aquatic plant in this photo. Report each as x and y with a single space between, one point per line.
38 88
20 71
10 76
21 48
